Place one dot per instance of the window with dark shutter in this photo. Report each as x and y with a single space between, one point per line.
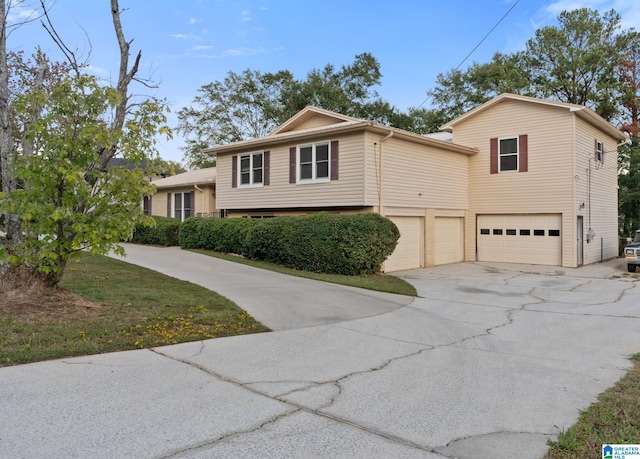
523 160
292 164
169 205
250 170
509 154
334 160
494 155
267 167
234 171
314 162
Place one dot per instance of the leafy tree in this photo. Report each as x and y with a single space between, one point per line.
348 91
240 107
58 196
458 92
629 187
252 104
629 155
576 61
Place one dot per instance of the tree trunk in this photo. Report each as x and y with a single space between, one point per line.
27 281
11 220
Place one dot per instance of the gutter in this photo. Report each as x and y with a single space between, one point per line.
380 186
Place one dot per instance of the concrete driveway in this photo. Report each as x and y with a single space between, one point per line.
490 361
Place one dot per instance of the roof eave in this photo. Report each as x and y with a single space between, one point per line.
267 141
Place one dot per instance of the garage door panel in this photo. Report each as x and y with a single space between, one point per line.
407 254
531 238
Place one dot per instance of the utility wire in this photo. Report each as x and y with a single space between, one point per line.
480 42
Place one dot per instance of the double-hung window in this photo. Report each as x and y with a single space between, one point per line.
251 169
509 154
598 154
182 205
313 162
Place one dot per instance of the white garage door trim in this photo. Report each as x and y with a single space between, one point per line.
528 238
449 240
407 254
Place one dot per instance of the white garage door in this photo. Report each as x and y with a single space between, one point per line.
533 239
449 240
407 252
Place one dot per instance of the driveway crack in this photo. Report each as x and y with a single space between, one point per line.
295 407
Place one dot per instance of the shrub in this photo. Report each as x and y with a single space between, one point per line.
233 234
219 234
340 244
321 242
188 233
165 232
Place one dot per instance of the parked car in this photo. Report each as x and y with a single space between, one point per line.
632 253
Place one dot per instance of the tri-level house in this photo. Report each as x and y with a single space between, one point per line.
517 179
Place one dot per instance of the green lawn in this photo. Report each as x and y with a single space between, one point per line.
122 306
378 282
119 306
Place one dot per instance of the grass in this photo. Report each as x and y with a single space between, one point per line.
118 307
613 419
377 282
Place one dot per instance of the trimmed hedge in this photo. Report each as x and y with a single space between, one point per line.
340 244
219 234
165 232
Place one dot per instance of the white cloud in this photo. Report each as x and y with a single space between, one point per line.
246 16
179 36
194 21
18 14
202 48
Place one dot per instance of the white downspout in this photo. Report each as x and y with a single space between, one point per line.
380 193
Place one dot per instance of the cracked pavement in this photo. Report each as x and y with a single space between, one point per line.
489 361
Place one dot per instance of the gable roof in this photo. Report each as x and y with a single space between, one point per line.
198 177
308 113
579 110
331 123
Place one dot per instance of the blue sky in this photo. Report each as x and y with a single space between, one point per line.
188 43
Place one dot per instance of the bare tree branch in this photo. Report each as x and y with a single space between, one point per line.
53 33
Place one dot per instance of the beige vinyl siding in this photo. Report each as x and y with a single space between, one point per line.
348 190
159 203
604 194
416 176
205 201
547 186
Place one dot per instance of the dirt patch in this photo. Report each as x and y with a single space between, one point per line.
60 304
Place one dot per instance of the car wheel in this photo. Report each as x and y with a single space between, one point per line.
631 268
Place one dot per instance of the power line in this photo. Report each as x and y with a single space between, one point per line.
480 42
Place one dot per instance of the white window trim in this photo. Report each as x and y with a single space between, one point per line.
173 204
599 151
517 154
251 184
314 179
